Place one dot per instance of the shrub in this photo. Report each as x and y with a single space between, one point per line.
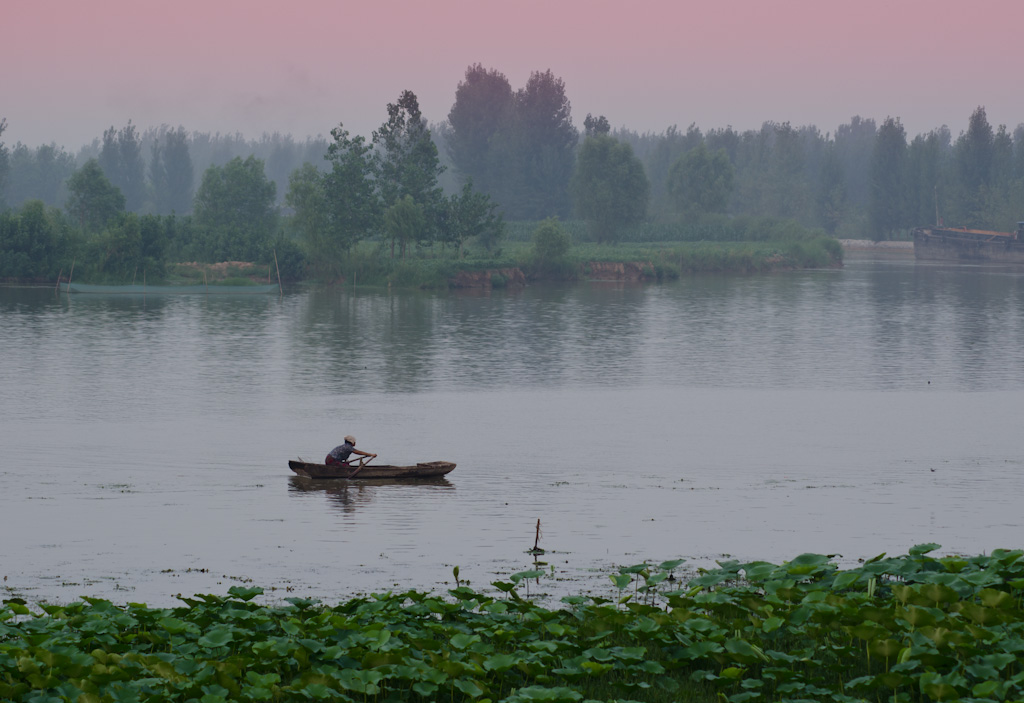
550 243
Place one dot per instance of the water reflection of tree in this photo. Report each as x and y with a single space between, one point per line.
367 341
411 340
348 496
946 322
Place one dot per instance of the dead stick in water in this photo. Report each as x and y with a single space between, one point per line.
536 541
279 286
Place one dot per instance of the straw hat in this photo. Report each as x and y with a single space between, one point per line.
350 439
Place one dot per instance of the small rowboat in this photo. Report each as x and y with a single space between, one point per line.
370 471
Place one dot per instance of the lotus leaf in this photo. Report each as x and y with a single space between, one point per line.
534 574
620 580
541 694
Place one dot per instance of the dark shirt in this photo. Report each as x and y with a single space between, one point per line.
342 452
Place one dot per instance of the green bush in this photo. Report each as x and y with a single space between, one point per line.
550 243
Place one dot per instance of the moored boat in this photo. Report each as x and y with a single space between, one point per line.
962 244
428 469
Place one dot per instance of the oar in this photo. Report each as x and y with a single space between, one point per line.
362 463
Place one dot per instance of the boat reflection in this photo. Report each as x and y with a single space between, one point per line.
351 494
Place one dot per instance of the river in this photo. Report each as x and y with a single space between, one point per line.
853 411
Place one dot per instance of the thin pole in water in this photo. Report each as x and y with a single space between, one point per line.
56 288
72 273
536 541
279 286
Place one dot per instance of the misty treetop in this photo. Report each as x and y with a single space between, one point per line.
519 148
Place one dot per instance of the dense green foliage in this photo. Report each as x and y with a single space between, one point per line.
609 186
93 201
910 628
389 191
472 215
550 244
171 173
5 162
32 241
122 162
234 210
887 198
518 148
700 182
37 174
516 155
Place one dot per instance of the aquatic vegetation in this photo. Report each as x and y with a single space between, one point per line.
908 628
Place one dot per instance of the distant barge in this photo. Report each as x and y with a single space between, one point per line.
962 244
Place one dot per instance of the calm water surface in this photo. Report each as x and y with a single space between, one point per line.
144 441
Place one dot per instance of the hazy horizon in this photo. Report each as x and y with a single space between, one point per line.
300 69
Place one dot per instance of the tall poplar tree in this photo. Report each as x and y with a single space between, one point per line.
121 160
886 196
406 157
973 159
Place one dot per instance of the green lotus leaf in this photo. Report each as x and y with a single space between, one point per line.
981 615
596 668
893 679
994 689
499 662
543 694
888 648
462 640
620 580
992 598
471 688
535 574
867 631
425 689
655 579
217 637
699 650
245 594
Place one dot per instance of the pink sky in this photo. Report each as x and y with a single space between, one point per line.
72 68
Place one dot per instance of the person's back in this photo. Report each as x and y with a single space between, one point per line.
341 453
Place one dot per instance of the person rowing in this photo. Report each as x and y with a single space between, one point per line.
340 454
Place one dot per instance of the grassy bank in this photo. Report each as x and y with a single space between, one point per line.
661 261
910 628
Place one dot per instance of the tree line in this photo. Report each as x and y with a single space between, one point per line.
501 154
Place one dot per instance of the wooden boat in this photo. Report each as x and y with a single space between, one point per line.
370 471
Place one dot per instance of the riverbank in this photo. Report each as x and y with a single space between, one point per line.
517 264
886 247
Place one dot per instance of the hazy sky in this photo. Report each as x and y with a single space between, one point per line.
72 68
